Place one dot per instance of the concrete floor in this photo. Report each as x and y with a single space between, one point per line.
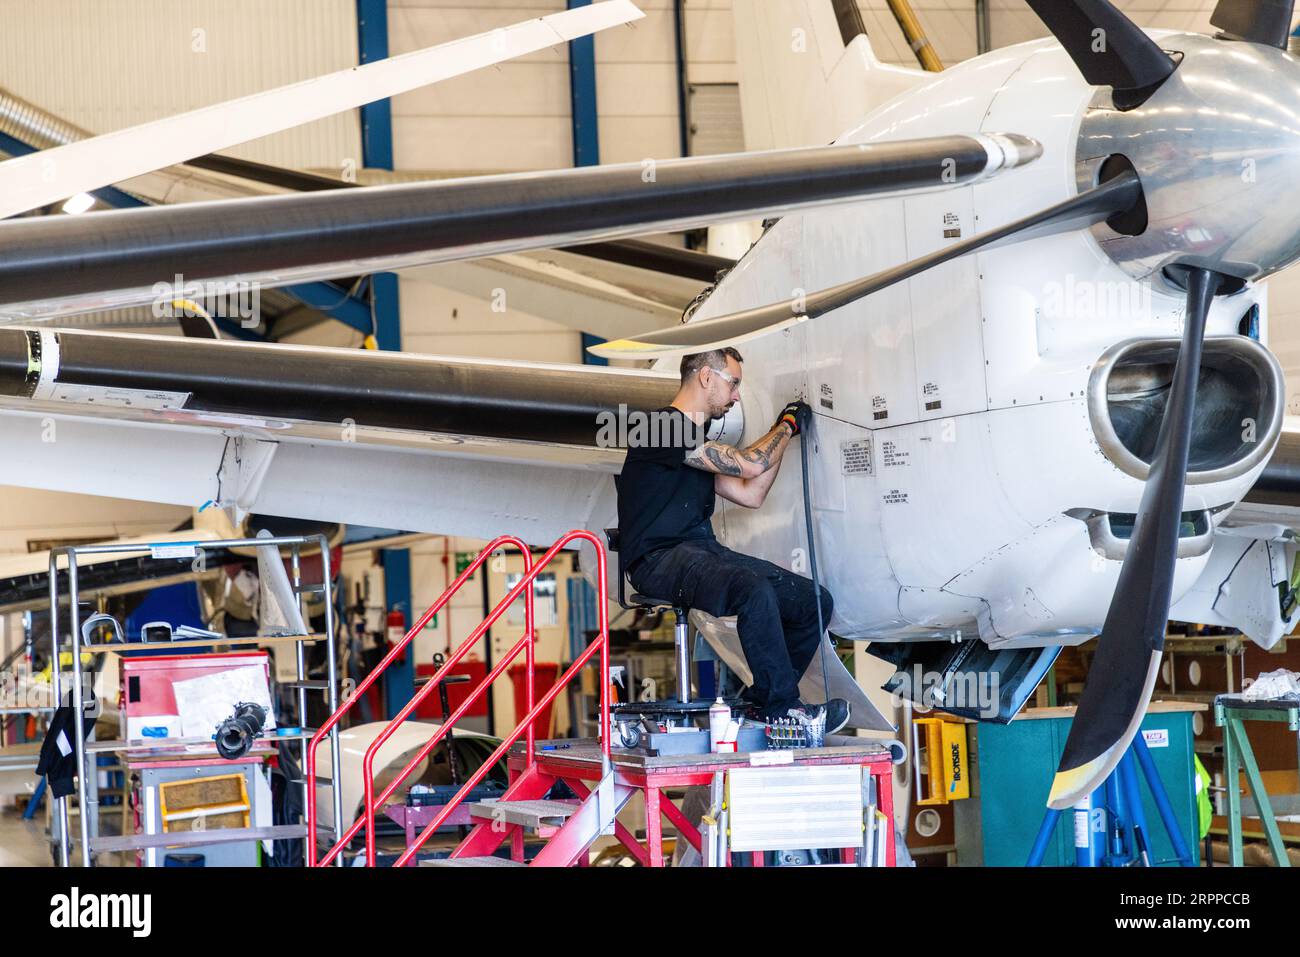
23 843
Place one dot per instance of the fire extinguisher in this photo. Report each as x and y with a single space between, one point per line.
396 629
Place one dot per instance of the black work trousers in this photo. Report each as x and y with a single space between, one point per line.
774 610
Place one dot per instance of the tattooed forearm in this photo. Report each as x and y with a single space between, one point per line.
753 460
760 453
715 457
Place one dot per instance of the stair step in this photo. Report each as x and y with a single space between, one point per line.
536 814
472 862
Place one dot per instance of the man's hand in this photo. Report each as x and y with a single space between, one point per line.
797 415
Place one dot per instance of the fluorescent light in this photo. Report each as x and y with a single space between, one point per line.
78 204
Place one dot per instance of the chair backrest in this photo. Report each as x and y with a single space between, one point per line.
613 539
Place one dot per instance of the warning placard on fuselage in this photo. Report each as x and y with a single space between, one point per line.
855 457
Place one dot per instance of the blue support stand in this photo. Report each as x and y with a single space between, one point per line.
29 812
1163 807
1114 832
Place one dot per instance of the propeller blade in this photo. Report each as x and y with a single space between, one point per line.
1114 197
50 176
670 260
1108 48
1123 671
1258 21
52 264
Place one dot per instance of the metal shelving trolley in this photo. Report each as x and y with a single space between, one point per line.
182 550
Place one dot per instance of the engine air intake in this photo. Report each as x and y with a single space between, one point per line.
1239 405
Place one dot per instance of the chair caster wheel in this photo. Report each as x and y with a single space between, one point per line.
629 734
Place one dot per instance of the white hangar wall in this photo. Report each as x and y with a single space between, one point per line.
105 66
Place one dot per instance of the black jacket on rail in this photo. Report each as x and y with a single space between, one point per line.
58 760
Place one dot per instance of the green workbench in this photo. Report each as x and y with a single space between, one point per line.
1229 713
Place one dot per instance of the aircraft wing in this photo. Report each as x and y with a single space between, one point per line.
393 440
1275 499
396 440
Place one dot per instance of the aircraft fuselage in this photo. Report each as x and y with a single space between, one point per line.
980 428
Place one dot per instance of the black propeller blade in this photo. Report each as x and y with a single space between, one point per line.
1123 670
1259 21
686 263
289 238
1113 198
1108 48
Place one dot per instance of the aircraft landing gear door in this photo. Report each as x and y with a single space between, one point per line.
551 608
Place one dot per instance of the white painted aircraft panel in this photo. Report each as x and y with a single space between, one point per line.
945 308
938 485
862 366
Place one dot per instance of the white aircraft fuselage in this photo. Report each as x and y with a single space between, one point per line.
969 479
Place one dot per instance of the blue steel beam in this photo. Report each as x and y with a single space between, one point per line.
383 315
399 679
335 302
586 129
582 94
377 153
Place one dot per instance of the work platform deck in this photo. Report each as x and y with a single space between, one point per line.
577 762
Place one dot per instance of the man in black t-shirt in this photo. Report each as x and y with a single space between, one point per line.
666 495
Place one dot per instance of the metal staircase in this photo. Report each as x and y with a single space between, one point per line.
569 827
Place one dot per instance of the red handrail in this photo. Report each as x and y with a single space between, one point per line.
526 643
379 669
601 644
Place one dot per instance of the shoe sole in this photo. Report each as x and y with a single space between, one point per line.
838 727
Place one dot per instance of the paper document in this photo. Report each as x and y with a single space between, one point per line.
203 703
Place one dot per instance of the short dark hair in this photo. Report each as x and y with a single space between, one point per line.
713 358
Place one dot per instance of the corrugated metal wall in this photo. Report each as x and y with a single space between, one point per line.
107 65
510 117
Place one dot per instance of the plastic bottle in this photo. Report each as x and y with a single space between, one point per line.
719 718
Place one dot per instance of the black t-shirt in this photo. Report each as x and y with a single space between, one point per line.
662 501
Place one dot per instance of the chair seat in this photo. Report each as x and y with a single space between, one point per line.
646 601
